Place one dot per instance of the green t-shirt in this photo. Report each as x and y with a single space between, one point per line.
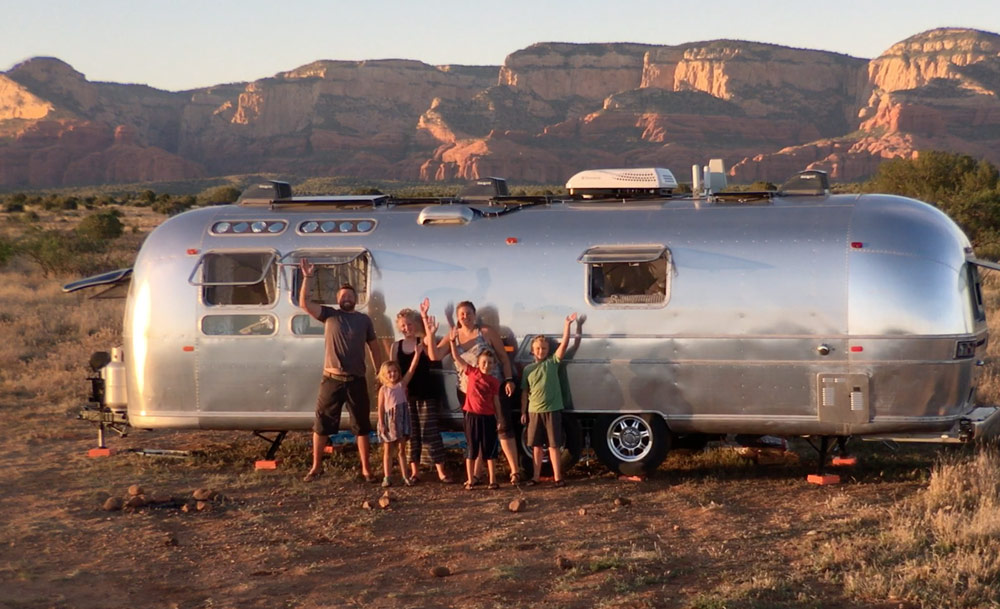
541 381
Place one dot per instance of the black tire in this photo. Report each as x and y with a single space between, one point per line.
569 455
631 444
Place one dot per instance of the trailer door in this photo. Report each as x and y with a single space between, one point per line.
235 373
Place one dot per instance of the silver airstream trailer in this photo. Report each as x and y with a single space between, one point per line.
787 313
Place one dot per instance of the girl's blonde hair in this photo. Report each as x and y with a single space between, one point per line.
383 371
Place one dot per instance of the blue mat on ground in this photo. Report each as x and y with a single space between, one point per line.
452 439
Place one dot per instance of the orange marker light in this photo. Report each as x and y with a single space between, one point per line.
188 348
192 251
857 349
857 245
511 240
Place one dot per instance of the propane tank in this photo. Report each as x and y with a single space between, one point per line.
115 393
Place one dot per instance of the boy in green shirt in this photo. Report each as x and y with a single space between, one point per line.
542 403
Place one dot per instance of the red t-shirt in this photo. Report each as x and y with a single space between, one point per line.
480 392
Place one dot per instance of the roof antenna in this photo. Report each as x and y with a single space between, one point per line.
708 180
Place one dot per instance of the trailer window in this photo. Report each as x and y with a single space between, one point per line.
306 324
238 325
333 271
238 278
627 275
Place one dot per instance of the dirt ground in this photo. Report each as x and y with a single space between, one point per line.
709 530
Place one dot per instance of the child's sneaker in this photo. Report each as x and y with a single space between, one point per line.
409 481
386 483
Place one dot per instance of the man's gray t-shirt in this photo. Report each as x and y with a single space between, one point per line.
346 335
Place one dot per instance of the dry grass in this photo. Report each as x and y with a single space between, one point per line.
938 548
47 340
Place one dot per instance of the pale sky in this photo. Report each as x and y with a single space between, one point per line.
185 44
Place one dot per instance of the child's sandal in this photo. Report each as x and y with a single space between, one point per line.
493 486
515 478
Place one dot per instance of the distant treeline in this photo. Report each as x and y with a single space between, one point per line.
961 186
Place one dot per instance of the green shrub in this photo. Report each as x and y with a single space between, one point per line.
62 252
219 195
7 250
172 207
103 226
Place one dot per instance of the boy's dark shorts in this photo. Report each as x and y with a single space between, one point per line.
546 429
506 427
480 436
334 394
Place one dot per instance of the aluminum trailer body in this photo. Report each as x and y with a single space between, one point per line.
833 315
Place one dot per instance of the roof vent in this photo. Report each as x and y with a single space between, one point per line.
446 214
265 192
596 183
807 183
484 189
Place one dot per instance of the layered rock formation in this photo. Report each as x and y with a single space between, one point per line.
549 111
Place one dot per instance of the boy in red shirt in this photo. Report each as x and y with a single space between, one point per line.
482 402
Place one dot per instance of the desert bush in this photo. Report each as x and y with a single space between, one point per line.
218 195
54 202
12 207
103 226
62 252
172 207
7 250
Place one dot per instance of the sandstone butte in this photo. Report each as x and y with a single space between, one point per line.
549 111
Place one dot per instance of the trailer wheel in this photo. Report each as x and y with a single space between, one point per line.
631 444
569 455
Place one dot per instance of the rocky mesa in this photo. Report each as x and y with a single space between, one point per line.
550 110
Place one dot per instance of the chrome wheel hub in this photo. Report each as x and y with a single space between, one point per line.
630 438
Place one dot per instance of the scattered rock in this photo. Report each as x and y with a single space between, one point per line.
582 511
517 505
202 506
203 494
366 505
113 504
135 490
384 500
440 571
677 527
135 502
622 501
187 507
564 563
